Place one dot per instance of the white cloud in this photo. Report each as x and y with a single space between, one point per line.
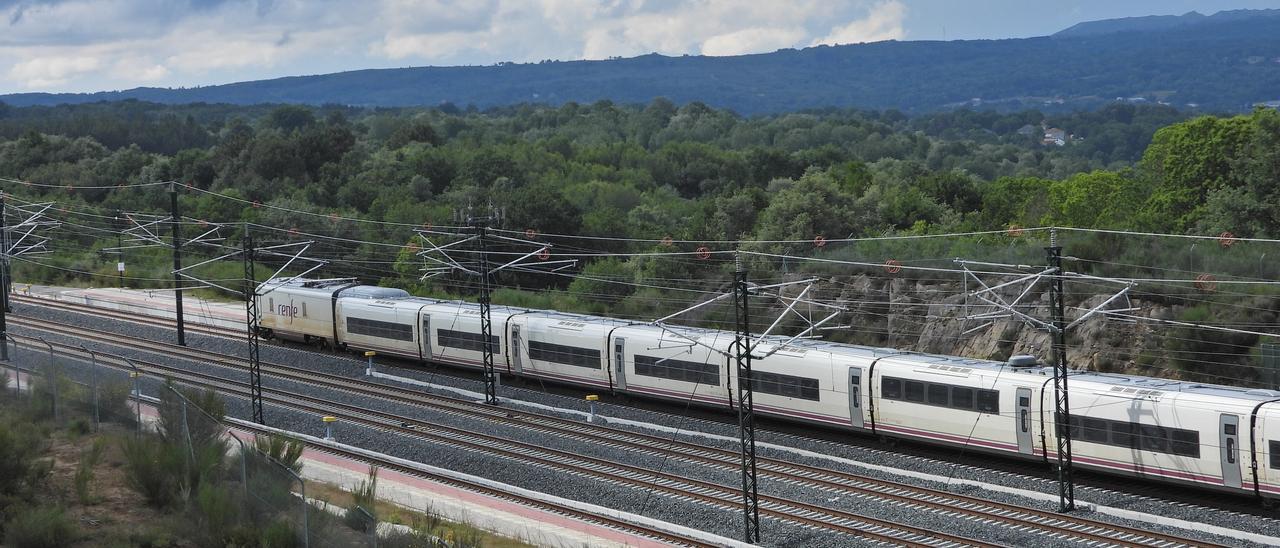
752 40
48 72
884 23
88 45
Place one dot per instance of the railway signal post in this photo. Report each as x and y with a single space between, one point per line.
251 319
177 262
480 225
479 236
4 280
746 411
1062 408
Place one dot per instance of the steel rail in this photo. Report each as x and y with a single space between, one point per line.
1050 523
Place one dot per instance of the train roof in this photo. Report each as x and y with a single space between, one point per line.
1152 387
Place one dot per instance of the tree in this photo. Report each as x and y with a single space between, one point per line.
288 118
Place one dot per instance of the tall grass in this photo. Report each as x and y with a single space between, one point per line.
40 527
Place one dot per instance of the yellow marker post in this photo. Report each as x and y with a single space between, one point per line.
368 371
328 427
593 399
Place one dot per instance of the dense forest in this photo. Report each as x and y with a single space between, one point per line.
1226 62
690 172
633 175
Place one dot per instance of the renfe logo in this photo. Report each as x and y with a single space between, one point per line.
287 311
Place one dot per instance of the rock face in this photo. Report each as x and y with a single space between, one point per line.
955 318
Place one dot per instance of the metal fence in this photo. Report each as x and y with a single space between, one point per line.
227 481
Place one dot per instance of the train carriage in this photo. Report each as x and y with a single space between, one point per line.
978 404
569 348
1166 430
1209 436
387 325
680 364
799 382
300 310
453 334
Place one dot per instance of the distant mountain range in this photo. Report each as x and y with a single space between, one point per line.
1227 61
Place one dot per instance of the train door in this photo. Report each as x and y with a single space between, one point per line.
855 397
1229 441
619 364
516 364
1023 421
426 338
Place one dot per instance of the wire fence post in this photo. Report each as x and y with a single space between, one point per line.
52 377
136 375
244 465
302 491
373 525
17 370
93 369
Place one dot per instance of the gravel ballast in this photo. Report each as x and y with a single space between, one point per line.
783 446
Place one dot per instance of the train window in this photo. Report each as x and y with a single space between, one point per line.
465 340
1122 433
695 372
892 388
1186 443
563 354
380 329
1095 430
939 394
1153 438
1274 447
989 401
785 385
961 397
915 391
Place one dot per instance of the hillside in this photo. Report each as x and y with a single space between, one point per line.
1227 61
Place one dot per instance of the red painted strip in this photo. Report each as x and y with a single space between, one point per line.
556 376
682 395
948 437
804 414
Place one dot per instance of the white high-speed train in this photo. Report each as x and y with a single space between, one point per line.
1208 436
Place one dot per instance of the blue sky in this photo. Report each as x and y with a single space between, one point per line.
93 45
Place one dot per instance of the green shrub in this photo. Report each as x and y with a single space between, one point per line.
43 396
279 534
216 513
79 427
154 469
113 402
20 445
43 527
284 450
365 495
203 428
84 472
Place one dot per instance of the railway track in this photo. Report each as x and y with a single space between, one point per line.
484 489
1050 524
671 485
144 319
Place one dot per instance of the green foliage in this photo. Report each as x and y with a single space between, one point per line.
284 450
279 534
40 527
113 401
364 495
84 470
20 446
215 512
155 469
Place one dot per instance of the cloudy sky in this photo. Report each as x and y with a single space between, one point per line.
93 45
